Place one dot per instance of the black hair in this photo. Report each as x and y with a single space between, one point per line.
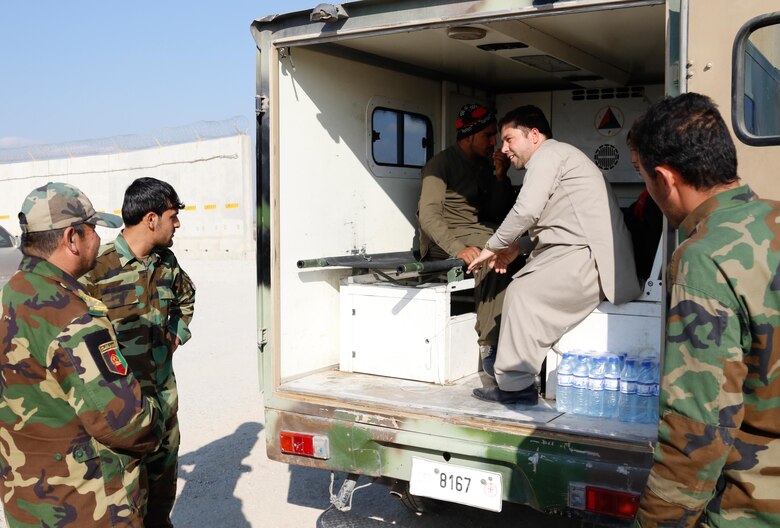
146 195
528 116
688 134
42 244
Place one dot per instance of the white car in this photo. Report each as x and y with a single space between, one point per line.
10 256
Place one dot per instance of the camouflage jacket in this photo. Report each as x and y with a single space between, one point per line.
718 450
73 421
146 301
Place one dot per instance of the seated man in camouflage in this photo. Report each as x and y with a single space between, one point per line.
74 424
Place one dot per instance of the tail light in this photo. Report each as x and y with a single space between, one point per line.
304 444
603 500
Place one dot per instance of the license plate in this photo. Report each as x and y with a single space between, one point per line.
452 483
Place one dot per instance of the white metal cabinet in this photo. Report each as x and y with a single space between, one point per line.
407 331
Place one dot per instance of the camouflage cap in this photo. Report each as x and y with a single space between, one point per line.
60 205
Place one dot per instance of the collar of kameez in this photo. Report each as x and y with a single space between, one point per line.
546 144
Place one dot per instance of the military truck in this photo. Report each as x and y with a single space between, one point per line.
367 369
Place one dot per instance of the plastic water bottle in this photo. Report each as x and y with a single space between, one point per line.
622 356
596 386
646 389
628 406
612 386
563 396
579 391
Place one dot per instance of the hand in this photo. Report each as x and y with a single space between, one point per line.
484 255
173 342
501 163
504 258
468 254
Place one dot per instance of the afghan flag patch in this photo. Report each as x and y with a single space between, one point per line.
113 358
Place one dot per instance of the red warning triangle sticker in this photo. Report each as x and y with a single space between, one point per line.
609 120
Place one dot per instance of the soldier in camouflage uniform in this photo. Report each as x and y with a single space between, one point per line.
73 421
150 301
717 460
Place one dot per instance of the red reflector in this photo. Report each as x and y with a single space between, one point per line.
296 443
611 502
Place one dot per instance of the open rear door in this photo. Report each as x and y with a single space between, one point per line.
733 56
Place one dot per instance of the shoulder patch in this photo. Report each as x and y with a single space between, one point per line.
113 358
105 353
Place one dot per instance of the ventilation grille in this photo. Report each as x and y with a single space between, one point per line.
606 157
594 94
502 46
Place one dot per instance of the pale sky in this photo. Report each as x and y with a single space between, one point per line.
79 69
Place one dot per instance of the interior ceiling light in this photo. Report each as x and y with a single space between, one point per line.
546 63
466 33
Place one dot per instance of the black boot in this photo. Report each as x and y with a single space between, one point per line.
528 396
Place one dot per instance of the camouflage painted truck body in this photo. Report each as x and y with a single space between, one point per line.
351 100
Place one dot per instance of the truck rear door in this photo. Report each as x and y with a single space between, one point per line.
733 56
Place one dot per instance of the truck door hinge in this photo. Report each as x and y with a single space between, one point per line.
286 53
261 104
263 339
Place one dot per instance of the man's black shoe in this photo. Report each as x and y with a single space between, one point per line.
529 396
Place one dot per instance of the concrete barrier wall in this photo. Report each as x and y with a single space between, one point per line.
213 177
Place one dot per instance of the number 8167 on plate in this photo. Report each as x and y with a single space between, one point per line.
453 483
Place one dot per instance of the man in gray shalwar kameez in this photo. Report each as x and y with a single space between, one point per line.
583 252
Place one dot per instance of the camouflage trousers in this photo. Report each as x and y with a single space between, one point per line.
162 473
162 466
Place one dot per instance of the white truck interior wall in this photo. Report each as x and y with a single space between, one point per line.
330 203
212 177
579 123
507 102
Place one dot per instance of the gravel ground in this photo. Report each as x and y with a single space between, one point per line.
225 478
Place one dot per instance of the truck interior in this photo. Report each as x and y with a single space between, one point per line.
357 118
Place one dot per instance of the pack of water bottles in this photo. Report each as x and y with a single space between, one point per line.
608 385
